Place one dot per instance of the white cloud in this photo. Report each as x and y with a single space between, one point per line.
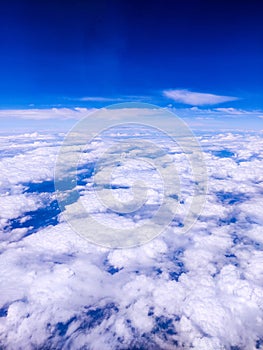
231 110
196 98
99 99
49 113
34 164
239 112
76 113
196 117
125 98
201 290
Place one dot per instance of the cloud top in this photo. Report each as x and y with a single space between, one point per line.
201 290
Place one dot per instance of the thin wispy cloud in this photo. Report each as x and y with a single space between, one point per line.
237 111
229 111
43 114
123 98
98 99
196 98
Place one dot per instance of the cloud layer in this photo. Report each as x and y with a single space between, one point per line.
47 113
201 290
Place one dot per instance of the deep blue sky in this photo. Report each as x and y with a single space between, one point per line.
54 52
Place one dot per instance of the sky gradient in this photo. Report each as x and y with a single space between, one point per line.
91 54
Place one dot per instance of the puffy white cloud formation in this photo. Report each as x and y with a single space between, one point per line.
201 290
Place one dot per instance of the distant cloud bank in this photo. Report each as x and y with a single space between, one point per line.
46 113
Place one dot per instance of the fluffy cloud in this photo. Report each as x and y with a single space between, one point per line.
200 290
196 98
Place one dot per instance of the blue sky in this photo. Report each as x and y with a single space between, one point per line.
91 54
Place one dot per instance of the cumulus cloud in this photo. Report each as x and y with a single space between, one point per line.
196 98
201 290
